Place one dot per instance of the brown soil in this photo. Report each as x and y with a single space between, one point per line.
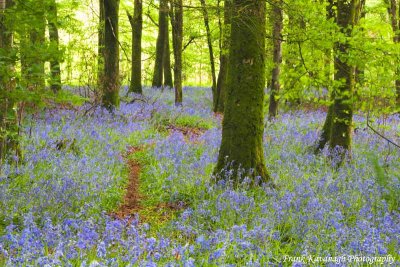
131 204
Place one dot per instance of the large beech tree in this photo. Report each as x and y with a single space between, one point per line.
243 123
111 81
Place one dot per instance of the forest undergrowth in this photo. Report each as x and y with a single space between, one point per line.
57 206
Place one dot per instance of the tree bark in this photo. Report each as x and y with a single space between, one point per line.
100 45
277 18
224 57
111 81
211 54
160 45
167 59
243 123
347 17
176 16
136 70
55 68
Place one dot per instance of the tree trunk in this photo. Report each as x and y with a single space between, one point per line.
347 17
211 54
111 55
224 57
54 45
243 123
277 18
176 15
394 14
136 70
100 45
8 115
167 59
160 46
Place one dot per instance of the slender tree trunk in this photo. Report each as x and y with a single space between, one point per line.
54 44
8 115
347 17
167 59
160 46
224 56
243 123
100 45
277 18
136 71
111 81
394 14
211 54
176 15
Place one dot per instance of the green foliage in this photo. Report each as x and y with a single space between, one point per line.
390 192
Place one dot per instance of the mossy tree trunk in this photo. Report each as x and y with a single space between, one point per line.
55 69
110 99
136 70
211 54
168 82
277 18
224 56
160 45
100 45
348 13
8 117
176 15
243 123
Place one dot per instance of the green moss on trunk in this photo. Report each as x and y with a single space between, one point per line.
347 17
243 127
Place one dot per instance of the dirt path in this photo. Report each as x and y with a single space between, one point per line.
131 202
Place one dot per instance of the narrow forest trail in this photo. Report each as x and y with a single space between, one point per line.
131 201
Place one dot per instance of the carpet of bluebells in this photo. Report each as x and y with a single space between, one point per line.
55 206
